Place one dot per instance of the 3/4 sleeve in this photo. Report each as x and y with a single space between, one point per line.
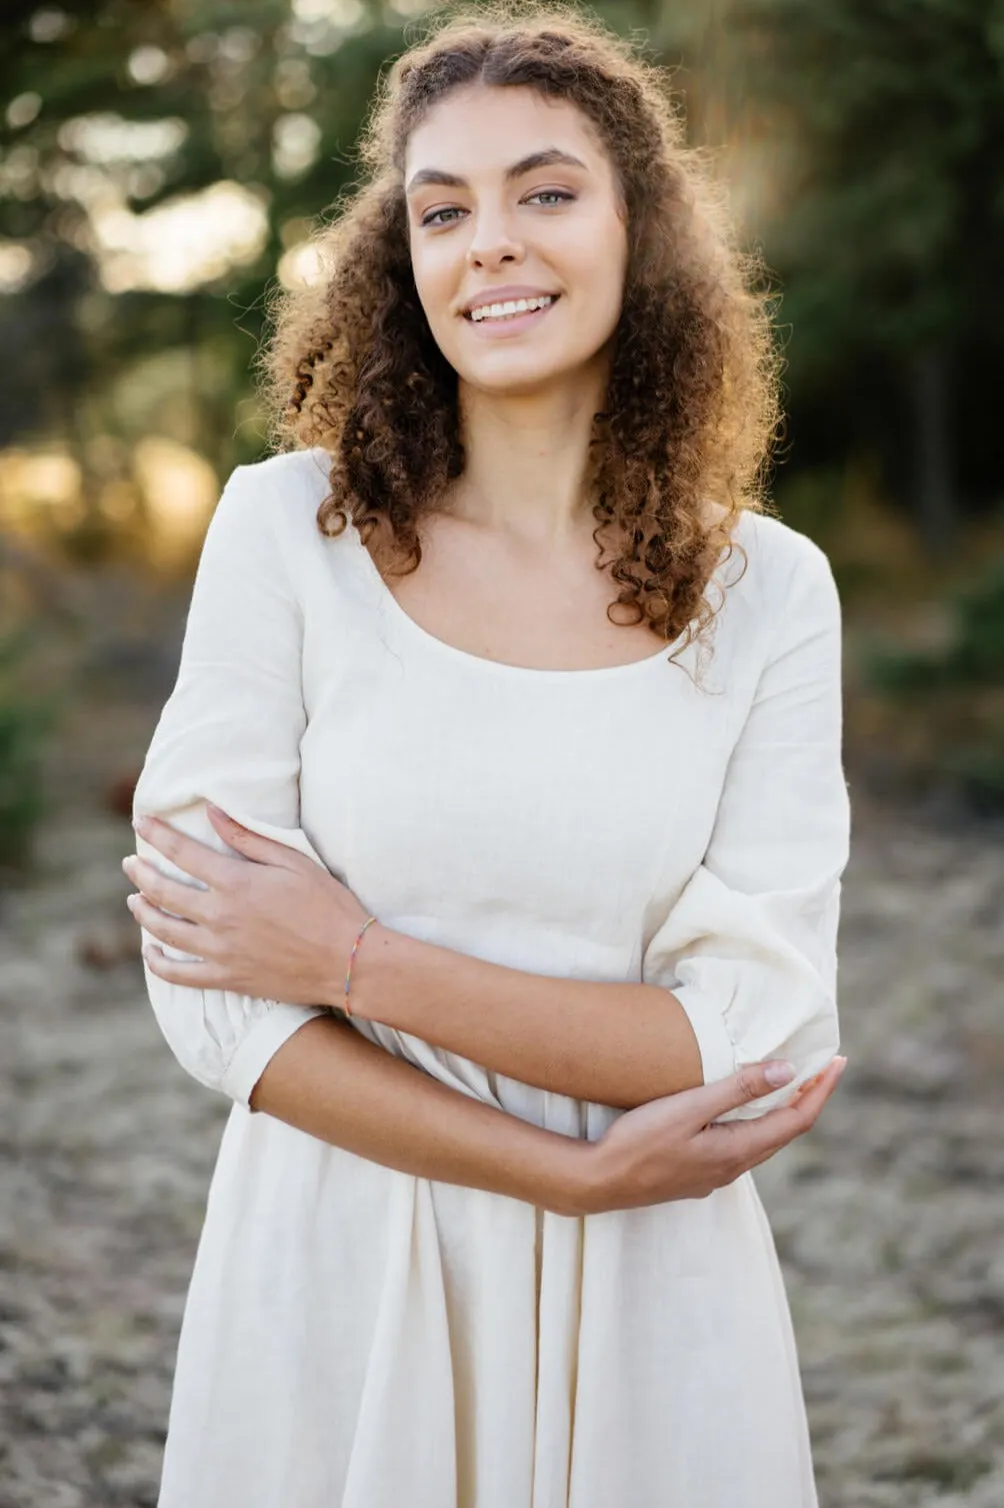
749 948
230 733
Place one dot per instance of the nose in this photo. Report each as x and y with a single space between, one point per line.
494 243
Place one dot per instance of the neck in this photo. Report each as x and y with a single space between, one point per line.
526 460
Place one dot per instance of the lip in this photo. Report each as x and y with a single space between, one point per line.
511 328
500 295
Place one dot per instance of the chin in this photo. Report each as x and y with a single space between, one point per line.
510 386
520 379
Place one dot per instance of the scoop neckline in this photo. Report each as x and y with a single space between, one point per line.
452 651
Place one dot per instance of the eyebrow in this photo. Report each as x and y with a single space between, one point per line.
549 157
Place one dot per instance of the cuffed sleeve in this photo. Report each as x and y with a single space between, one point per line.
749 948
230 733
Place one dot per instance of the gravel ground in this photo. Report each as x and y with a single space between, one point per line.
888 1218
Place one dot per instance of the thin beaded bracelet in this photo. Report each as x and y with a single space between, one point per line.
348 971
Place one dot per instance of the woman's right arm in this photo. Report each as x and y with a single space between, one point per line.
334 1084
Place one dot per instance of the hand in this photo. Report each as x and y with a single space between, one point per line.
671 1148
280 927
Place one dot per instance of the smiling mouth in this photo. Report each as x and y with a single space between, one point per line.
507 309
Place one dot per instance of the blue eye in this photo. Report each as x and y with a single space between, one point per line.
558 196
433 217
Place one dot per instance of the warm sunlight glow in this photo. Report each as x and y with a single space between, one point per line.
37 485
180 490
343 13
320 26
16 266
22 109
296 143
149 65
41 496
299 266
183 243
105 137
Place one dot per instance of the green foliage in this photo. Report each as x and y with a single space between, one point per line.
973 656
979 770
229 82
890 236
812 501
886 118
958 689
881 130
881 124
25 720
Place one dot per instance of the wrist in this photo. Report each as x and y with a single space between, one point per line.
378 953
574 1178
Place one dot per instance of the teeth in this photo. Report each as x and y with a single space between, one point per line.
510 307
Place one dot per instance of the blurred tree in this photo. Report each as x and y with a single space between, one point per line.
131 127
887 224
241 115
954 693
26 720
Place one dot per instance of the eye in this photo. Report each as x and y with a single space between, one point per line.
555 196
434 215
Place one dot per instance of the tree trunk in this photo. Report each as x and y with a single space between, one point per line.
934 469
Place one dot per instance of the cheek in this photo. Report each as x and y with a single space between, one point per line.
434 283
601 281
594 254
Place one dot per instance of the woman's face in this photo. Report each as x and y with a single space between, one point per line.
512 200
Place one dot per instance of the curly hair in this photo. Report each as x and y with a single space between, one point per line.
692 407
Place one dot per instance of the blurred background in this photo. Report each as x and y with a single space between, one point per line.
160 166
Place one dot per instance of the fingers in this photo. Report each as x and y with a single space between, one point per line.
252 845
750 1083
194 973
196 859
811 1096
172 930
752 1142
811 1083
189 901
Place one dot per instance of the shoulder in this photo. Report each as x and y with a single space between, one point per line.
776 549
786 573
268 508
280 488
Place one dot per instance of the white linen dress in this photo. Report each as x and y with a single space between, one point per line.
356 1337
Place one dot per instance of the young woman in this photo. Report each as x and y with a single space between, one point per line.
501 650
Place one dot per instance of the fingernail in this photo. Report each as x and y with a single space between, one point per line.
779 1073
841 1065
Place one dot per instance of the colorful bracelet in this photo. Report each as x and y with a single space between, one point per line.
348 971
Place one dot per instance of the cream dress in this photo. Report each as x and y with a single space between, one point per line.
359 1338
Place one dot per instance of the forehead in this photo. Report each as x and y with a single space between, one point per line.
481 126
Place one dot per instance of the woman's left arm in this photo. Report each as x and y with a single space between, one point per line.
744 967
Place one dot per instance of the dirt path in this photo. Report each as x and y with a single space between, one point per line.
889 1219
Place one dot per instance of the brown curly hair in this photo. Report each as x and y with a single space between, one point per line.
692 403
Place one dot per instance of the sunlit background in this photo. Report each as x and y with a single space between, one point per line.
161 165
